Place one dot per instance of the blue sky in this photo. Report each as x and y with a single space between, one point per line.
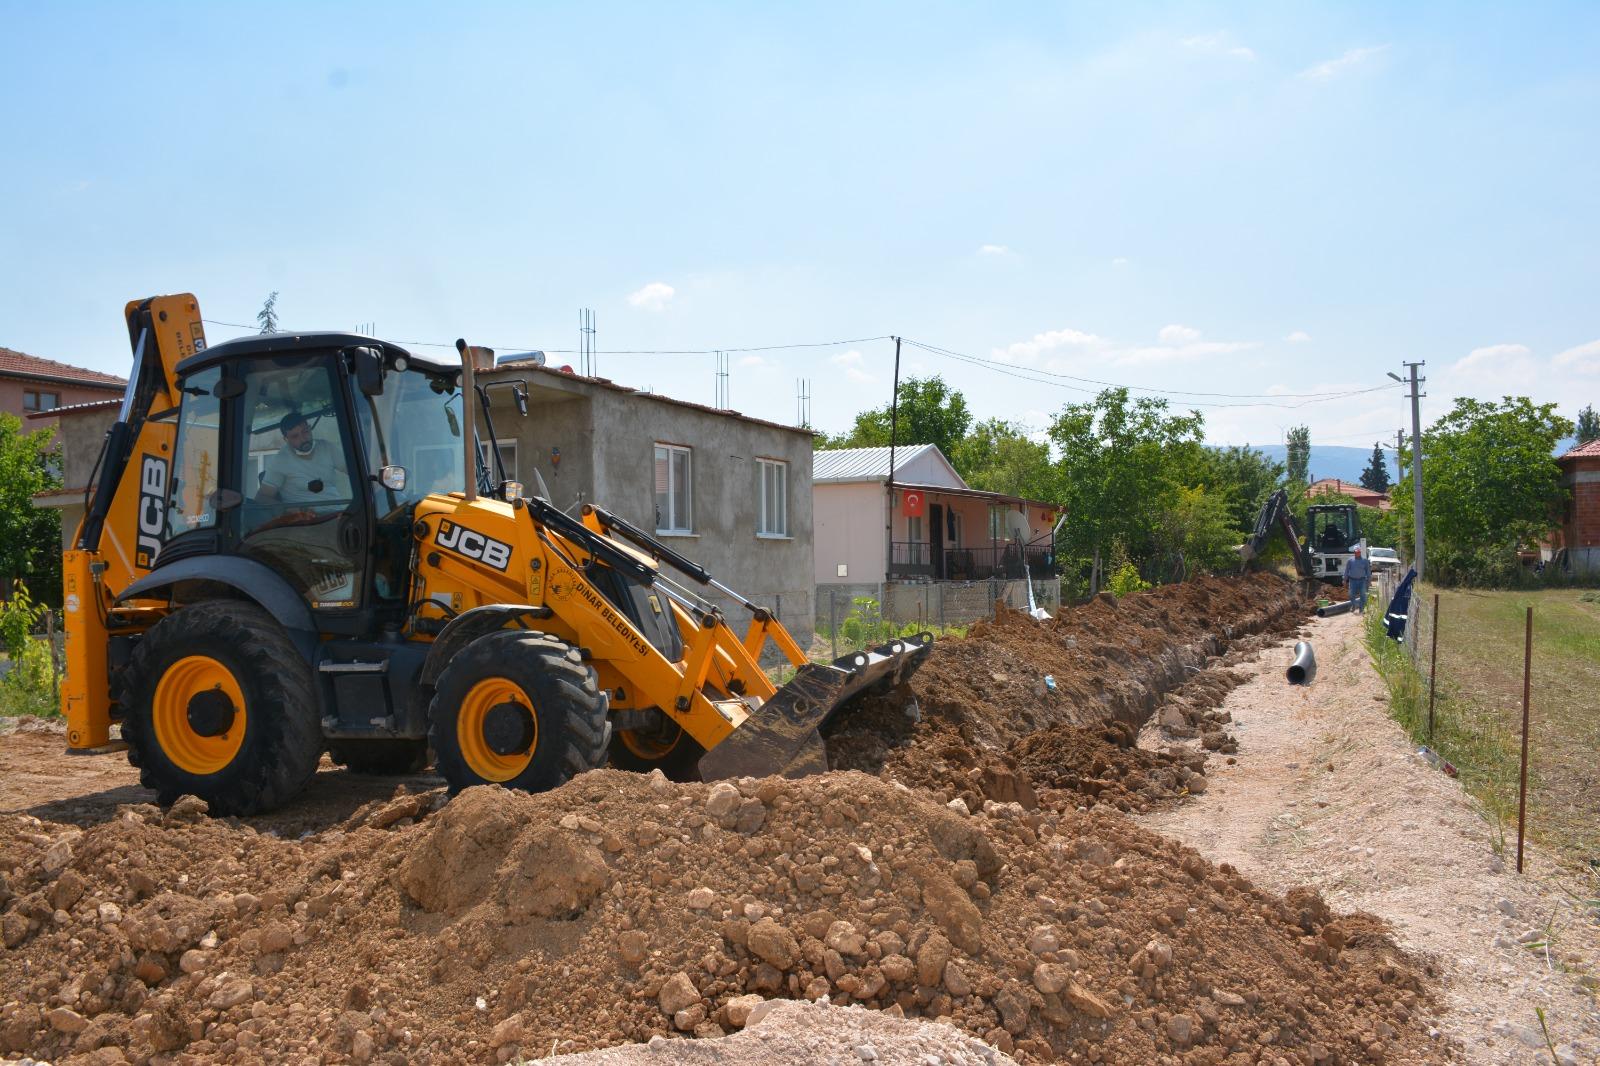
1248 199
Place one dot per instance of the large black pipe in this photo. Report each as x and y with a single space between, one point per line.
1304 667
1335 608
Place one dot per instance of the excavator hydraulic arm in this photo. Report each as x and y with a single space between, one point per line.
125 519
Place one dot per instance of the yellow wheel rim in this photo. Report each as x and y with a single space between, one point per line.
651 746
471 720
189 750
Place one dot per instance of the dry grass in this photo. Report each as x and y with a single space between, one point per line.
1479 711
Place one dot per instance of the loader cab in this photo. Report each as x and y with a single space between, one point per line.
1332 530
307 453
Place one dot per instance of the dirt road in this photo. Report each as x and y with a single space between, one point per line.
1327 792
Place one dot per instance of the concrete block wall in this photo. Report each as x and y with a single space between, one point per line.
935 602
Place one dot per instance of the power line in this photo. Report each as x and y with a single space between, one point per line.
935 349
611 351
1055 379
1044 377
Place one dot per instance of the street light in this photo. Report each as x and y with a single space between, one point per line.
1397 377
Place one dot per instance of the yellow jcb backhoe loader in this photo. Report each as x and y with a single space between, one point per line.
262 575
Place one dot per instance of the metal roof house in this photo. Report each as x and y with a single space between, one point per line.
930 528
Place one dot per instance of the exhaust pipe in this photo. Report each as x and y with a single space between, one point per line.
1304 667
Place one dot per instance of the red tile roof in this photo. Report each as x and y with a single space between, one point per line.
1589 450
20 364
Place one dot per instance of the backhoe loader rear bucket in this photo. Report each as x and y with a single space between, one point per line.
783 735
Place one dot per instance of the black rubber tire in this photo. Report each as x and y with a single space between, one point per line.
681 762
380 758
283 736
565 695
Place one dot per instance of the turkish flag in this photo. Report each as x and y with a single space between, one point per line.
914 504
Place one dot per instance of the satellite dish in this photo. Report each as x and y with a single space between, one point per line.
1017 525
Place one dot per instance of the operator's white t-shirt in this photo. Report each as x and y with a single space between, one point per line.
298 477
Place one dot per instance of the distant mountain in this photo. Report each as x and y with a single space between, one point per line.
1329 460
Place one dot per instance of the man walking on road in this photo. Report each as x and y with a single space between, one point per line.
1357 574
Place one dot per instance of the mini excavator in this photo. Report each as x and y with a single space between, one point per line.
1319 555
262 574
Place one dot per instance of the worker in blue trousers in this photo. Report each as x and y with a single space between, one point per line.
1357 575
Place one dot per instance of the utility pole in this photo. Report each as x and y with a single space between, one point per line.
1416 459
894 428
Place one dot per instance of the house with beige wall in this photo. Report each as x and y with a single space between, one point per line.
928 546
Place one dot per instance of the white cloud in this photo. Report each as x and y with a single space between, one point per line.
1219 44
1585 358
756 361
1299 336
1120 261
1076 351
1332 68
1493 357
1029 350
853 361
653 297
995 250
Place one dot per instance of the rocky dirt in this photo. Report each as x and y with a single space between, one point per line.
623 907
982 876
1327 792
1061 702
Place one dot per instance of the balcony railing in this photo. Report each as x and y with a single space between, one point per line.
919 559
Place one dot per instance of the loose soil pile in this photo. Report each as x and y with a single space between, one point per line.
1020 705
622 907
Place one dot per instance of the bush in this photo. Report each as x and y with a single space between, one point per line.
28 687
1126 579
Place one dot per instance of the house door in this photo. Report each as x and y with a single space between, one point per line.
936 539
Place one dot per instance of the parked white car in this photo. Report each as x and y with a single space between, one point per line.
1384 559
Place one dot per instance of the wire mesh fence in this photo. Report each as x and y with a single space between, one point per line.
1495 688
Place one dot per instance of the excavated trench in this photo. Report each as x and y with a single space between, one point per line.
621 907
1064 699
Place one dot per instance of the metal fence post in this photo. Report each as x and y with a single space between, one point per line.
1433 666
1522 776
833 619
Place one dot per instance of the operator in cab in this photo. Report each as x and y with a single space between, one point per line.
304 470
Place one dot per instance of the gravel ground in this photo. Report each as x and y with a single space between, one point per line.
1328 792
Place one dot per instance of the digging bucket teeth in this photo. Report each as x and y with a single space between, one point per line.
783 735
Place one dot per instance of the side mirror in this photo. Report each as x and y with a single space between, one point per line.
368 366
393 478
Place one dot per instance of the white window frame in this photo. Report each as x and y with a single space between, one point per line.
674 524
507 447
997 521
772 510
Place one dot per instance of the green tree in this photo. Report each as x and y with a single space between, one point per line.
1198 524
1298 454
1242 478
267 317
1376 476
930 413
999 456
1119 470
30 537
1490 485
1588 425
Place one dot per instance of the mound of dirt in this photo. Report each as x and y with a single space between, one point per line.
620 908
1061 702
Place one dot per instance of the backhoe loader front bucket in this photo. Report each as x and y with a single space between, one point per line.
783 736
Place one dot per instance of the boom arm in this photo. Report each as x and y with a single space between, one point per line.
1275 514
125 522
